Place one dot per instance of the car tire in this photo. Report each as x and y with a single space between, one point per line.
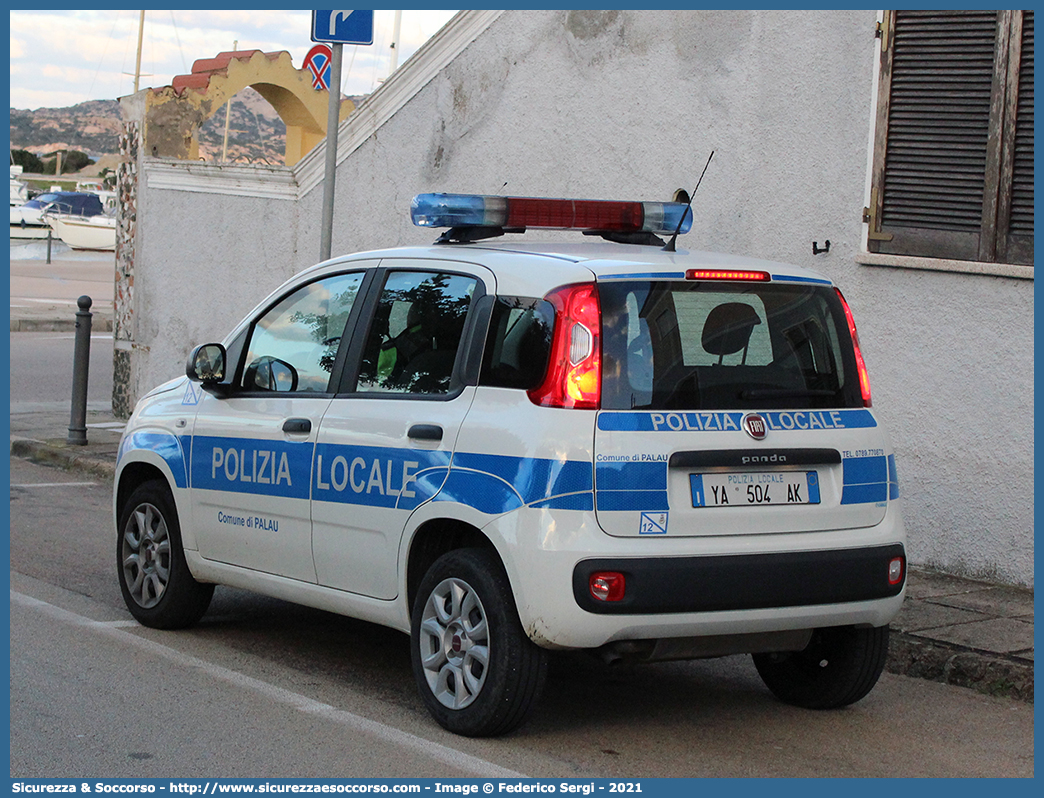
477 672
157 586
839 666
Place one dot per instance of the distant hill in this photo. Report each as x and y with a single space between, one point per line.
256 133
92 127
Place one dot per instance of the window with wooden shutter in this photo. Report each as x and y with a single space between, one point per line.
953 151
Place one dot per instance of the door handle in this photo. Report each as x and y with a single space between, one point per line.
425 432
298 425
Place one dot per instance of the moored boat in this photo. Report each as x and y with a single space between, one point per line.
84 232
19 190
27 220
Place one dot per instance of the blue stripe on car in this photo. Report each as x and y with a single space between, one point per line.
715 421
249 465
865 479
388 477
166 445
405 478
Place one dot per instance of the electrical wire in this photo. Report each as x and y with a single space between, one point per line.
177 38
105 51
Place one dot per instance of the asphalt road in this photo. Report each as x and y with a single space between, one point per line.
41 370
262 688
41 363
36 283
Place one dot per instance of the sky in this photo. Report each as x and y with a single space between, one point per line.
61 58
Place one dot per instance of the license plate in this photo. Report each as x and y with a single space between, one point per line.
754 488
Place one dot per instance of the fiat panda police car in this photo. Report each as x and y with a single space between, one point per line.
505 448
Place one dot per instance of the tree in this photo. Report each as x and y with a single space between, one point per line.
75 160
72 161
29 162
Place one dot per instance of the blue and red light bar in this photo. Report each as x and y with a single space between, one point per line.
473 210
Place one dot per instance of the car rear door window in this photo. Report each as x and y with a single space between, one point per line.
415 333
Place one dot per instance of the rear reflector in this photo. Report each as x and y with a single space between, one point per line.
896 569
607 585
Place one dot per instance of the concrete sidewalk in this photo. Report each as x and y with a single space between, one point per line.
960 631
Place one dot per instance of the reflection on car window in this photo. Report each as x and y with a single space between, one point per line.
518 345
415 334
696 346
293 346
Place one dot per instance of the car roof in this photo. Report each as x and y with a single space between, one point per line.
533 268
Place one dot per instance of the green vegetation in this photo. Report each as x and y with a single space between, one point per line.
72 161
28 161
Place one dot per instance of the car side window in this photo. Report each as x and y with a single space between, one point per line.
415 334
293 346
518 345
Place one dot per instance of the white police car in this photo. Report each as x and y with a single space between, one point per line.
504 448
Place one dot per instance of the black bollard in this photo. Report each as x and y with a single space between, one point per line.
81 365
49 246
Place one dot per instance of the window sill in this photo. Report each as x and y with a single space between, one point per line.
942 265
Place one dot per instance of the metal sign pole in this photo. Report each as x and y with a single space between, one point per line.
333 119
336 28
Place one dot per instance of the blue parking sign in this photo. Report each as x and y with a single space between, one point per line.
342 27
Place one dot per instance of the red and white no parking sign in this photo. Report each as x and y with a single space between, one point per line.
318 63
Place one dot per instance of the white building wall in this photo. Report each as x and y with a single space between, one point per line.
626 104
205 257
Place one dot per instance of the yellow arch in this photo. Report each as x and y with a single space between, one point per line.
175 113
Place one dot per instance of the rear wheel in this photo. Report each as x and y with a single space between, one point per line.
839 666
478 673
154 578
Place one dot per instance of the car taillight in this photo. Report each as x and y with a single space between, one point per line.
574 375
864 376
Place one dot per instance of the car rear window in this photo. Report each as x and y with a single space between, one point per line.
673 345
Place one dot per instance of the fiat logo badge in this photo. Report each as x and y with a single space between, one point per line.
755 426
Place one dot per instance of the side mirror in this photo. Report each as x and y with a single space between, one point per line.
206 364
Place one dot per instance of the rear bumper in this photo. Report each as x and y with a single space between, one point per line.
695 587
742 582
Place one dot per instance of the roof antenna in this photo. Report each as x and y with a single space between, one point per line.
669 246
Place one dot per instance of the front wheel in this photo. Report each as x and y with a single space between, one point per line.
157 586
839 666
478 673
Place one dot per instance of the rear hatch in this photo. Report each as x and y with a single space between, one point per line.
733 406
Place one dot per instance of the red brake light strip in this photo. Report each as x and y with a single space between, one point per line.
727 274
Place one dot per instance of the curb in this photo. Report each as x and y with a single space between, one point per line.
923 658
57 325
46 453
